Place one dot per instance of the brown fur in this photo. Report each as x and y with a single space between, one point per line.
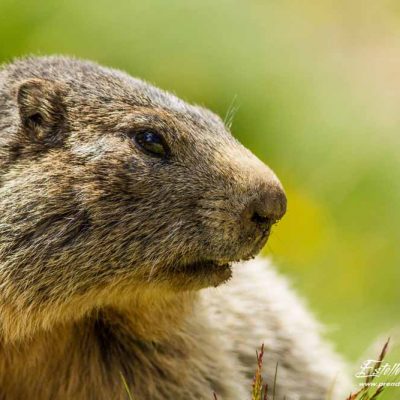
103 248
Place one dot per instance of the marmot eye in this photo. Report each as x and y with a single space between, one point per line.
152 143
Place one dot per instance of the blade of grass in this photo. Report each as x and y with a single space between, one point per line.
275 378
126 387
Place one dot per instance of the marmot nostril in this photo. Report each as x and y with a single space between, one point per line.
261 220
268 208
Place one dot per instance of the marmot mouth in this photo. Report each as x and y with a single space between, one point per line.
205 267
202 274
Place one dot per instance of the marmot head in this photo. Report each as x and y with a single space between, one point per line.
108 180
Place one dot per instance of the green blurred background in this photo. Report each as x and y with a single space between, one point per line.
316 86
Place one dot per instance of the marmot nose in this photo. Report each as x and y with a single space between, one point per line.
267 207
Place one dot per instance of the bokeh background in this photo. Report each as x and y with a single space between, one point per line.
315 86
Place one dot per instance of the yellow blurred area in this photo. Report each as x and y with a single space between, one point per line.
303 233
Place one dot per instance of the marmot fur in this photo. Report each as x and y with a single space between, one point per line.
121 209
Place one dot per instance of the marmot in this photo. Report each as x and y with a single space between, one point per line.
119 205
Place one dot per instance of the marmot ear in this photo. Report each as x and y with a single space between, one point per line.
40 107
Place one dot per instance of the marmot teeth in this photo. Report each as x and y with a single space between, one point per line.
222 263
